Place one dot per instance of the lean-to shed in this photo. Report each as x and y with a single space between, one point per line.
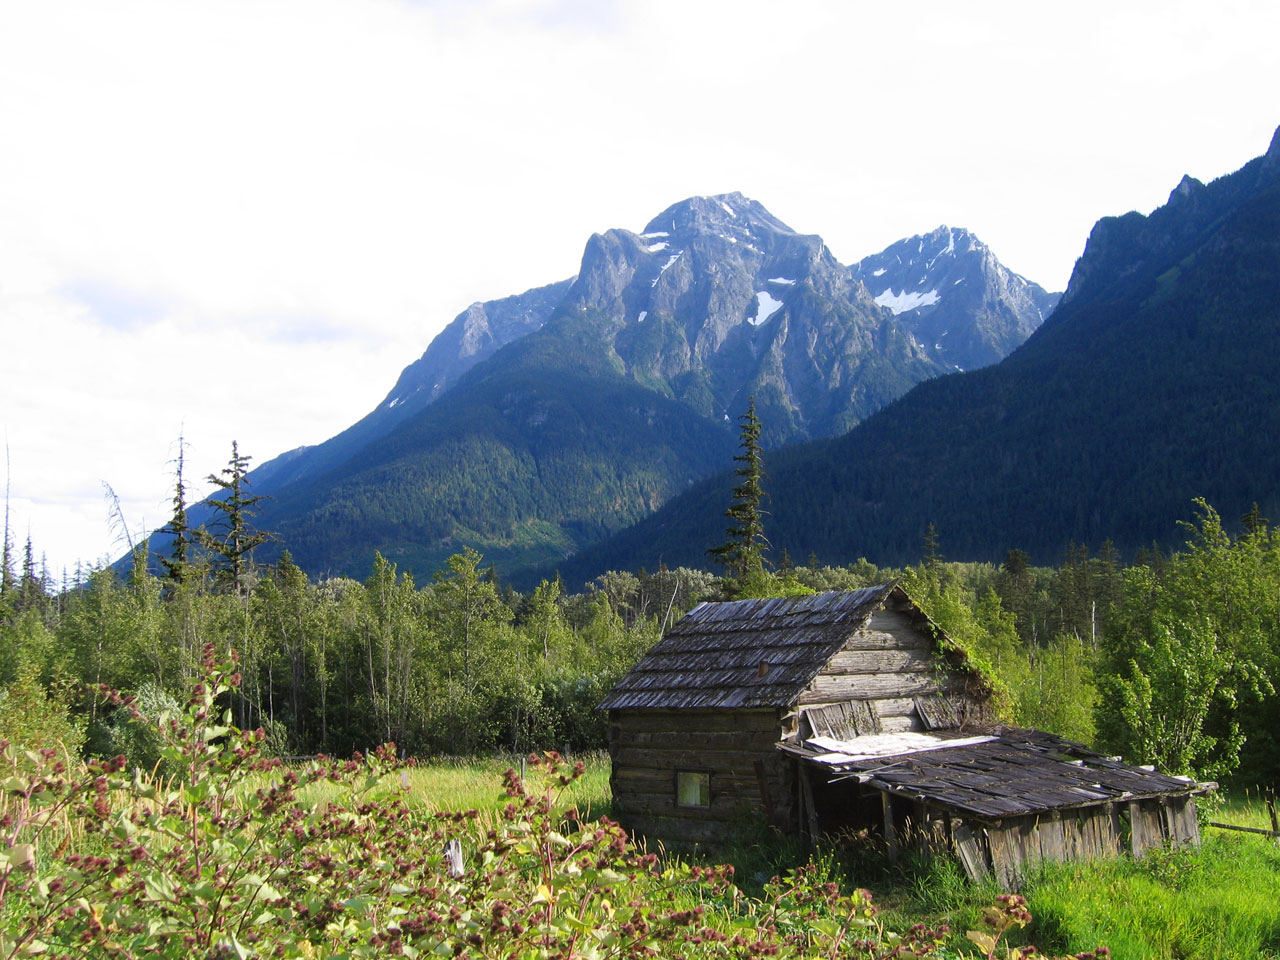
852 711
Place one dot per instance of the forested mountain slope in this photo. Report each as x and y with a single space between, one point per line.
1153 383
539 424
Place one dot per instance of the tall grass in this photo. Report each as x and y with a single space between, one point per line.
455 784
1219 903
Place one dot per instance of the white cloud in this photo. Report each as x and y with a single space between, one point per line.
248 216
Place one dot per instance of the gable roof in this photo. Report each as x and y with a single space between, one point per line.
747 653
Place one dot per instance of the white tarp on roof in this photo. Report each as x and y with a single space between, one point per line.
885 745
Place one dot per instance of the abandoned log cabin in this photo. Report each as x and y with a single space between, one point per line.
854 712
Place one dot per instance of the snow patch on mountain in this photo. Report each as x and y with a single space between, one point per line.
906 300
670 260
766 307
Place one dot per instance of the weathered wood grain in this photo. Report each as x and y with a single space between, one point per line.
688 721
972 849
936 713
881 661
692 757
828 689
1144 827
1181 824
755 742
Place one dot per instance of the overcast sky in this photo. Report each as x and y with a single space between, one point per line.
240 220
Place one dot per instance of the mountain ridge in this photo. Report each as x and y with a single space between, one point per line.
1149 385
537 424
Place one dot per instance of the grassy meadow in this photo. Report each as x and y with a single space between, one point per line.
1220 902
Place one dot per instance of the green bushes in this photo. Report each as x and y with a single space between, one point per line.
230 859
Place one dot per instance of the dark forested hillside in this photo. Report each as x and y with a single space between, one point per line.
1152 384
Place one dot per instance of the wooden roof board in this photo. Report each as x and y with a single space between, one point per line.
712 656
1020 772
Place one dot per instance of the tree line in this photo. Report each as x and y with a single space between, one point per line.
1171 658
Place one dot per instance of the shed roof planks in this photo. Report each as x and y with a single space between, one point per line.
1012 773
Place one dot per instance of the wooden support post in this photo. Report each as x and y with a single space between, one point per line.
890 830
1271 809
765 797
808 810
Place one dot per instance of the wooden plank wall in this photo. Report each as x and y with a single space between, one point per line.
1145 829
1019 842
889 663
736 747
1181 826
1016 843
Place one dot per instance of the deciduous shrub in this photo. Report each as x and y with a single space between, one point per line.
237 856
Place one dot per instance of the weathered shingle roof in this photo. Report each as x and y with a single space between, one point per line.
745 653
1014 773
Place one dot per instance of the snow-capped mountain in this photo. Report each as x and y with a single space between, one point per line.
947 287
539 423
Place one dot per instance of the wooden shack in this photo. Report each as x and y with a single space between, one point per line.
853 712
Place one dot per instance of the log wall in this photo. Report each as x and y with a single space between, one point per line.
890 663
751 783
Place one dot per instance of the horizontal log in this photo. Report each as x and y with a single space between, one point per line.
909 724
1232 826
885 707
660 779
868 639
746 741
679 830
881 661
724 806
825 689
710 721
693 758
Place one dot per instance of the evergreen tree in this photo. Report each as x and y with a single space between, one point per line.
932 555
234 539
31 589
742 553
176 565
8 580
1254 522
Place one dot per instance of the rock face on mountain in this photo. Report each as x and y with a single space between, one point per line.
955 297
474 335
540 423
717 300
1152 384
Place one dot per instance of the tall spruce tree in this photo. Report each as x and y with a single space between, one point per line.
176 564
8 580
742 553
232 538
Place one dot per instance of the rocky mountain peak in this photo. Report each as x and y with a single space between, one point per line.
959 301
727 215
1187 188
1271 159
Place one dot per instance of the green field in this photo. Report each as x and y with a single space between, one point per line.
340 868
1220 902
